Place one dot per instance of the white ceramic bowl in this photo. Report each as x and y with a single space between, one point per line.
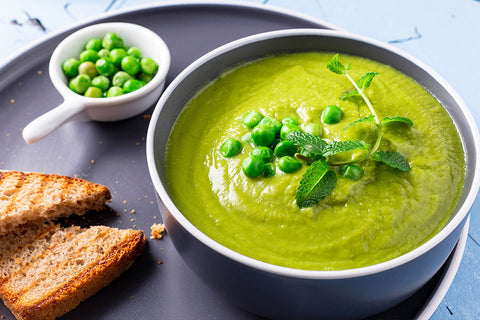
285 293
78 107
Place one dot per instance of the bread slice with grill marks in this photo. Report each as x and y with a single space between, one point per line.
27 197
46 270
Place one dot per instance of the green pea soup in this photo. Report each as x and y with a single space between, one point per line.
380 216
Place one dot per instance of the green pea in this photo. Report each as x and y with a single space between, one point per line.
289 164
120 78
253 166
231 147
148 66
351 171
262 152
145 77
132 85
274 123
263 135
89 55
101 82
111 41
314 129
94 44
80 83
285 148
93 92
286 129
105 66
114 92
116 55
269 170
290 120
103 53
130 65
331 114
70 67
134 52
88 68
251 119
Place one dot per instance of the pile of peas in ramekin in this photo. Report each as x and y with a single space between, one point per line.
106 68
268 139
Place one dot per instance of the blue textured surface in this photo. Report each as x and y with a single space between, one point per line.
443 34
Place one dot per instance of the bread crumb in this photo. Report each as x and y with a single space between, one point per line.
154 217
160 261
12 101
132 211
124 201
146 116
92 161
138 143
131 220
39 72
158 229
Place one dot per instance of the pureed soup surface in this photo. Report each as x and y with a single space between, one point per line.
379 217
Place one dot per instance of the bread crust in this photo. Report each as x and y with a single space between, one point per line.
27 197
82 285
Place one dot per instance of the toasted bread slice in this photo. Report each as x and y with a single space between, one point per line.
27 197
46 270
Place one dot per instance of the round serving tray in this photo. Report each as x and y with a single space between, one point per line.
159 284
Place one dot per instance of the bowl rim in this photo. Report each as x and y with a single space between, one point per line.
56 73
459 217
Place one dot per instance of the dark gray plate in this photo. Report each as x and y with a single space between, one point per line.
113 154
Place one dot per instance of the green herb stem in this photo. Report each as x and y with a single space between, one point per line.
304 158
365 98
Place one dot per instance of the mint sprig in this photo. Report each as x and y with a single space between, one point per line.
388 120
317 183
393 159
337 147
362 120
309 142
316 148
319 179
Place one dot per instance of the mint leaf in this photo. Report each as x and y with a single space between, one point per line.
365 80
366 119
336 66
344 146
316 184
388 120
392 159
350 95
308 142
